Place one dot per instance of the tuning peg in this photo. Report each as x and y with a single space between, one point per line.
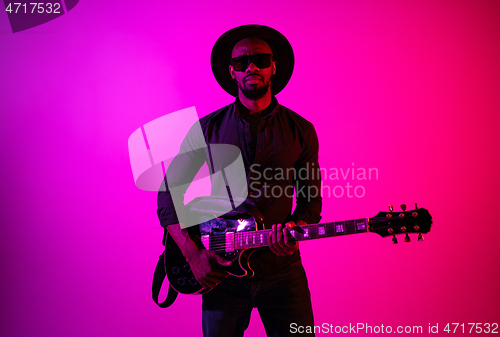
416 206
420 237
407 238
390 208
394 239
403 207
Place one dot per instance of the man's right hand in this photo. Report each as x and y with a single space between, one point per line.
206 267
205 264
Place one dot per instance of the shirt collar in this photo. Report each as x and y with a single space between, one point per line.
269 111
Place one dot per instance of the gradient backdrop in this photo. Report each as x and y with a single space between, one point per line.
408 87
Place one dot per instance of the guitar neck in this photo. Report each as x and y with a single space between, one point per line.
255 239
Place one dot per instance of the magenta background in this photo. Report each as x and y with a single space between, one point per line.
408 87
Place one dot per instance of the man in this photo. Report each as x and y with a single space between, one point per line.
278 147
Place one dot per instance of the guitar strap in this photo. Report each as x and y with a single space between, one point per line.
158 278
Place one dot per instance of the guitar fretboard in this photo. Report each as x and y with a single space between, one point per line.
254 239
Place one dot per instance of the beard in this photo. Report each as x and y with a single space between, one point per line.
255 93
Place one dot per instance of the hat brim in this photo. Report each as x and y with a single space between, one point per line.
282 50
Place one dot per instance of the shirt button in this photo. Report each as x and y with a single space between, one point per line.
246 126
251 193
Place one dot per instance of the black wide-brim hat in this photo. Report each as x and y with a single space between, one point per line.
282 54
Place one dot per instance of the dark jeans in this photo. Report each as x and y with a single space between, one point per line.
281 298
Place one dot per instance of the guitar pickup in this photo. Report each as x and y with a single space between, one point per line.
229 242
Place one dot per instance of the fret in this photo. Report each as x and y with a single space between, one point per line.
310 232
349 227
361 225
330 229
314 231
321 230
339 227
306 234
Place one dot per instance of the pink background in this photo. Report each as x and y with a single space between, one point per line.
408 87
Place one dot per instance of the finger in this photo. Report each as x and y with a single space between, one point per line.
279 234
275 242
287 245
288 238
301 223
219 259
279 239
275 232
296 226
272 241
290 241
281 246
222 260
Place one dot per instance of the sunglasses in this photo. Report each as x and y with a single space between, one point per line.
261 61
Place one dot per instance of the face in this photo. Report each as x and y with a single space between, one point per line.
252 82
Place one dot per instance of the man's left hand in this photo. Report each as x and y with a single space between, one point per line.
281 241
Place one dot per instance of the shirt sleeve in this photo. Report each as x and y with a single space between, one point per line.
308 191
179 175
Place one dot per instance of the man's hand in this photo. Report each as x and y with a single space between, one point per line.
281 241
205 266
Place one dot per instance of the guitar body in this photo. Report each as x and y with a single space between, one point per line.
213 234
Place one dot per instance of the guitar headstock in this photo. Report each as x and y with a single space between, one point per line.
406 222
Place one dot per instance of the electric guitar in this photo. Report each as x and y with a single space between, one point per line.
235 240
